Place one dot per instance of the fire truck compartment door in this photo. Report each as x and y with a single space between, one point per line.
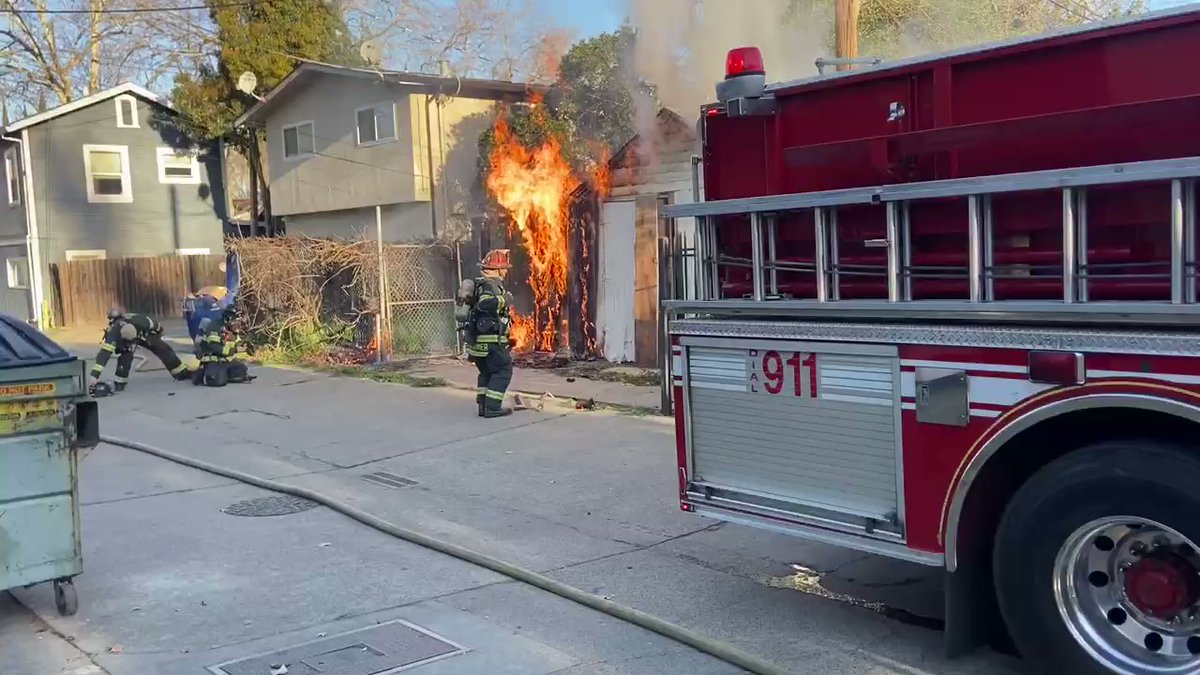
806 427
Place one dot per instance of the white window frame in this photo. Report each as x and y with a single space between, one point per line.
86 254
283 140
162 153
378 140
193 251
133 106
126 195
12 173
13 274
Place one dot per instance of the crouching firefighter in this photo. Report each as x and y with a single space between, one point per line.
219 352
125 333
483 315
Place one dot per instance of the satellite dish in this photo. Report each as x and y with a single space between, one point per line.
247 83
370 52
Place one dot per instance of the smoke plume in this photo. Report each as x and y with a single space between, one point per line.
681 44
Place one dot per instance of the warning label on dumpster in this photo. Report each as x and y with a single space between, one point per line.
18 416
35 389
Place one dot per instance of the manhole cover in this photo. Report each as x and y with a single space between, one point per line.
272 505
379 650
388 479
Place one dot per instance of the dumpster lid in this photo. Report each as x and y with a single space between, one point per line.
22 345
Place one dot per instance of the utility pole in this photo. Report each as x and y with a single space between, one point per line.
846 25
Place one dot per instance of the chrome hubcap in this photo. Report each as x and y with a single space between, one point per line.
1129 591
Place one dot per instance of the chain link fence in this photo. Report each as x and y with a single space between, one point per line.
421 281
320 299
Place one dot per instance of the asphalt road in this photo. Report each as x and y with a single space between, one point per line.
585 497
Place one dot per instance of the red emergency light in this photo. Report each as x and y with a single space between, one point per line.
1063 368
744 61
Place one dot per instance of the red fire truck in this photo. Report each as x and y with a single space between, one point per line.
945 310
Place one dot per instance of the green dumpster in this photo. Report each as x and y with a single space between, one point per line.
45 419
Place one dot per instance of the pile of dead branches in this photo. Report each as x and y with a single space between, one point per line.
316 296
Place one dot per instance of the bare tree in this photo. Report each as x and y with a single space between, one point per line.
503 39
64 49
898 28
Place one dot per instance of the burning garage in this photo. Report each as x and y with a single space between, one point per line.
586 232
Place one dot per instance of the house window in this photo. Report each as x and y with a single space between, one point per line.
178 166
107 171
127 112
298 140
12 176
377 123
18 272
87 254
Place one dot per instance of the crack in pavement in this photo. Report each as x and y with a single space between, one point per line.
636 548
444 444
60 635
239 410
164 493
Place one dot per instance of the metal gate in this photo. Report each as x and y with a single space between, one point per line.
421 282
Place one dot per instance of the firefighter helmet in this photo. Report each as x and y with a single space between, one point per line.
115 312
496 259
128 331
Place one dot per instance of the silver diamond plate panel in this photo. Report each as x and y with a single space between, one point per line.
1111 342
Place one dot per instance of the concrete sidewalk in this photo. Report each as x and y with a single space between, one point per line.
178 580
535 382
585 497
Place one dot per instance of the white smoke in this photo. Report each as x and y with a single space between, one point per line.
681 44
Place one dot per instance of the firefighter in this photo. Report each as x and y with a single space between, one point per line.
219 352
483 315
124 334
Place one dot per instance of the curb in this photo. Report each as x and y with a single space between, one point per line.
566 401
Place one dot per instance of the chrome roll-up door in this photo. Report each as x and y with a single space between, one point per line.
806 427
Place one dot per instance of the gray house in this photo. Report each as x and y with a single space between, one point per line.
106 176
341 141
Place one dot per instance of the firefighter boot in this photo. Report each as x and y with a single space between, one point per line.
492 409
479 401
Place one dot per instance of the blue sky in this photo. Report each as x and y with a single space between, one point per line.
586 17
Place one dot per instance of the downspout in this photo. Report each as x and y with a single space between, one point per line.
33 247
429 147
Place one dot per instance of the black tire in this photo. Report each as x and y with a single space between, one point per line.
65 598
1121 478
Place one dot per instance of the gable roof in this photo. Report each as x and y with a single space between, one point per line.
499 90
79 104
668 123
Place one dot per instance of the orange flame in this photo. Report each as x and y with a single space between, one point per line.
522 330
534 185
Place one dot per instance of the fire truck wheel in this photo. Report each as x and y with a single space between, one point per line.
1096 564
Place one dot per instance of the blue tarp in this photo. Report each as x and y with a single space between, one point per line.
202 306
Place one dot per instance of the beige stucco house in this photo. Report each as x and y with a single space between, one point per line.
341 141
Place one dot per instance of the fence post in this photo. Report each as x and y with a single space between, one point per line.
381 317
458 278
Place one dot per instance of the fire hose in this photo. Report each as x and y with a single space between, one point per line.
701 643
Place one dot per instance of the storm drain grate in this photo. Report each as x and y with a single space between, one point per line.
272 505
388 479
379 650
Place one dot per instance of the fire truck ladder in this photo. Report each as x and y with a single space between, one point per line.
982 271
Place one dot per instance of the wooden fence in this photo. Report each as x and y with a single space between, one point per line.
84 290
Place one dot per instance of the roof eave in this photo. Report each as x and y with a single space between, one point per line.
498 89
93 99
